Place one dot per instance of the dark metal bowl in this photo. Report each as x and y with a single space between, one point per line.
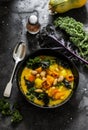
50 52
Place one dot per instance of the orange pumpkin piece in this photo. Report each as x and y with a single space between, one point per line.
50 79
52 91
55 74
46 85
39 70
70 77
58 95
31 78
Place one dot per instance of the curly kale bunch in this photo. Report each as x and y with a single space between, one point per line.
5 107
76 33
6 110
16 116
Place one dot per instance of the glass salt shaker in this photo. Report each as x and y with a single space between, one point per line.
33 25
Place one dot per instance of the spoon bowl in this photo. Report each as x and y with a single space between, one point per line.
19 52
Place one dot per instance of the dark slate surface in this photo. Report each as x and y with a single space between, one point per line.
13 17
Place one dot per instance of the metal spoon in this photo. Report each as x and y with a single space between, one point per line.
18 55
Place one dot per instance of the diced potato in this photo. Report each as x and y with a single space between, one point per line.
53 67
38 83
63 72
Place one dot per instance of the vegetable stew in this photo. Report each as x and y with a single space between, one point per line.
47 80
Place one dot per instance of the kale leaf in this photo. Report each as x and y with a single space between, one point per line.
16 116
5 108
34 63
39 62
76 32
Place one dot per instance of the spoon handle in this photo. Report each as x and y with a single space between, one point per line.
7 91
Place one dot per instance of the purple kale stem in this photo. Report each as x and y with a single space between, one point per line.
53 37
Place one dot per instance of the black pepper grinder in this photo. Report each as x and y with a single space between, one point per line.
33 25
